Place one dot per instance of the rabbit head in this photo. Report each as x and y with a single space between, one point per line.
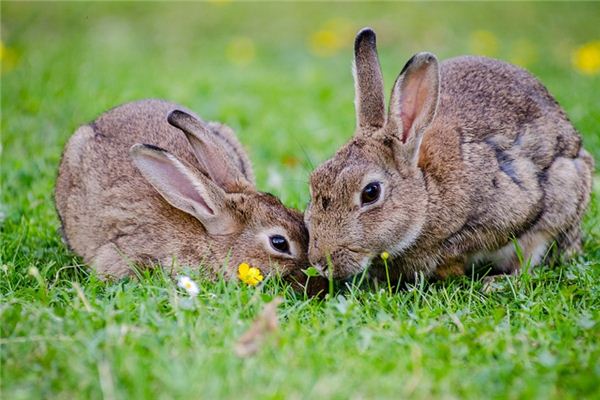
371 196
243 224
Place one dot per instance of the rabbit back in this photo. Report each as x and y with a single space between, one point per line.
506 162
103 206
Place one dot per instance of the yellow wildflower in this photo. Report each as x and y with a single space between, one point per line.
334 35
586 59
8 58
249 275
240 51
385 255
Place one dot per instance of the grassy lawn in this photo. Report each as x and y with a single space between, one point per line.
279 74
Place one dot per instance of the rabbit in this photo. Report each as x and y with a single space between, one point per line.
474 164
149 182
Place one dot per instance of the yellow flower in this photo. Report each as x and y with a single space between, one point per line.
586 59
240 51
334 35
8 58
484 43
385 255
249 275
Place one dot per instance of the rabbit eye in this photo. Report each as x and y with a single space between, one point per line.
280 244
370 194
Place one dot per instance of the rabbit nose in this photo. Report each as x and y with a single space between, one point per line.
317 256
319 261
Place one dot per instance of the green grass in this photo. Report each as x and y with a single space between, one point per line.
65 334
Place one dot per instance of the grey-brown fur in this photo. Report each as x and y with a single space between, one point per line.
113 217
485 156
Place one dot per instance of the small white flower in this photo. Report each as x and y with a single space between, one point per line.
189 285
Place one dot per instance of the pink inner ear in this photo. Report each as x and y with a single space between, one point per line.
171 182
413 97
184 185
407 121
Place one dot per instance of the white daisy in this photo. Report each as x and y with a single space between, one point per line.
189 285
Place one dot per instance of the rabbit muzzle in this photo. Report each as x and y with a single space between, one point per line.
340 263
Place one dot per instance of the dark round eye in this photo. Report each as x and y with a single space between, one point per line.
370 193
279 243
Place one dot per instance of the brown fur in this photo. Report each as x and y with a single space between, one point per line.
113 217
473 153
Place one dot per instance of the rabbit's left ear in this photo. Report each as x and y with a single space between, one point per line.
414 100
214 160
369 95
186 189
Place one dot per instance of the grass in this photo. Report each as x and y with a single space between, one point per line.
280 75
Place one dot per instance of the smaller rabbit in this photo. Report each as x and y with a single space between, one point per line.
186 196
473 155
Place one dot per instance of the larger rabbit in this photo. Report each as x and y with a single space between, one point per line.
473 154
185 196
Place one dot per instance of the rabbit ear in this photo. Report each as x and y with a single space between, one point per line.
369 97
414 99
184 189
212 158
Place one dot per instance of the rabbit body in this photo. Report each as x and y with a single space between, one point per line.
113 217
474 153
500 160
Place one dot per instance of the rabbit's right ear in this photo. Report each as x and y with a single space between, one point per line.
184 189
369 94
414 101
215 161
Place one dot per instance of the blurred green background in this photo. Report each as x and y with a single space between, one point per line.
280 75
